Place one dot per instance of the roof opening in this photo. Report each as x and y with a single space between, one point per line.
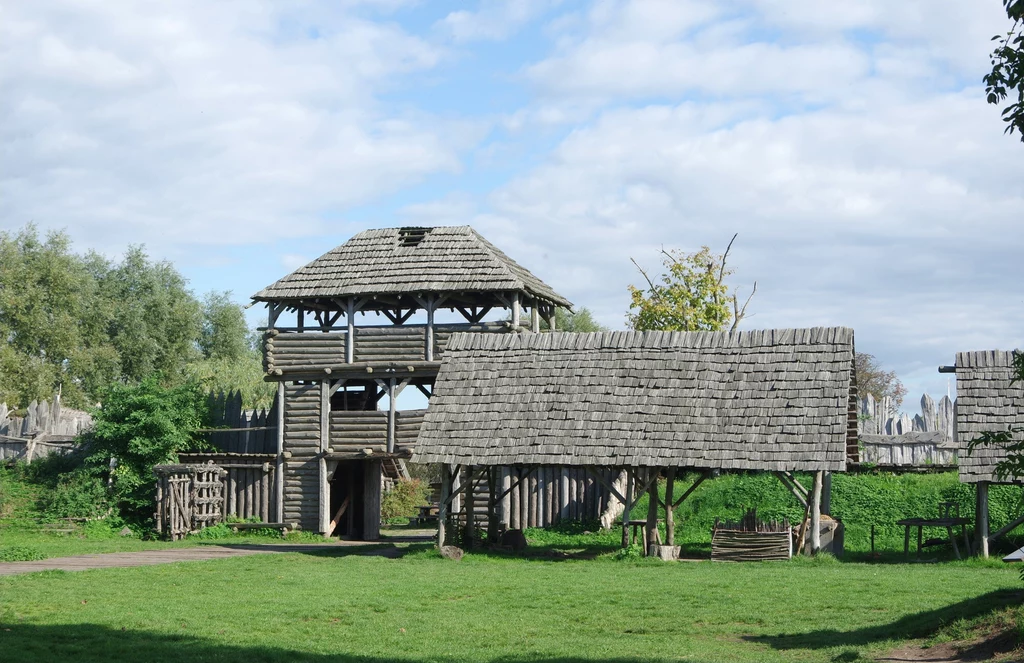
411 236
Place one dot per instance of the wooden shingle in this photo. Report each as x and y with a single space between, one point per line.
410 260
986 401
766 400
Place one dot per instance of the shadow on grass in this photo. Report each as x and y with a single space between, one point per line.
86 643
918 625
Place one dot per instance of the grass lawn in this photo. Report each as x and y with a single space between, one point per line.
317 607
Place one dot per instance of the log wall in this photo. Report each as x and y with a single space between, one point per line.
314 350
547 496
302 469
353 431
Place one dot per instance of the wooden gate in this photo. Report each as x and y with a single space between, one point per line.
188 498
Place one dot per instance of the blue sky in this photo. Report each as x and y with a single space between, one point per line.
848 145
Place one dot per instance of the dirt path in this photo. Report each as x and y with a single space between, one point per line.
196 554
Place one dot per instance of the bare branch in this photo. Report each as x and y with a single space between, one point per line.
721 270
740 313
647 278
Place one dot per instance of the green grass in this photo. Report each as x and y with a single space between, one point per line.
320 607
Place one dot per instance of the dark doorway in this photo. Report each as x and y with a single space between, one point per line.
348 484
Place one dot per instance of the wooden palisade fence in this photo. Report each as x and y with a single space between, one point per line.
44 429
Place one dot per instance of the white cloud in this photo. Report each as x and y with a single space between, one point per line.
495 19
199 122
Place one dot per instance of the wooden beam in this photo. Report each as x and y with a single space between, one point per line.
423 390
337 517
592 471
429 350
816 513
467 538
689 490
651 527
981 518
513 485
1002 531
350 336
391 415
279 461
627 507
325 443
515 310
799 486
784 480
534 318
442 502
670 522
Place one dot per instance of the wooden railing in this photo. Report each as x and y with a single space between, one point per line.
291 352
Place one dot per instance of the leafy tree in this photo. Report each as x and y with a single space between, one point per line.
141 426
690 296
580 320
871 379
1007 76
224 333
51 330
155 322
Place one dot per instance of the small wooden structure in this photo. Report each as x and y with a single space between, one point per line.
987 401
645 404
751 540
949 518
189 498
333 440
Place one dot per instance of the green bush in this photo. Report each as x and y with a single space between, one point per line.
20 554
404 500
141 426
77 494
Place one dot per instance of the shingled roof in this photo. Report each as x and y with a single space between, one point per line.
410 260
985 402
766 400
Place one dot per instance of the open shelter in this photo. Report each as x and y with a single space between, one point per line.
779 400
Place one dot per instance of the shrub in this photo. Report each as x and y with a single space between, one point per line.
77 494
20 554
141 426
404 500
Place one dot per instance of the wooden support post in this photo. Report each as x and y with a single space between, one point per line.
670 517
826 493
442 505
505 506
429 354
651 527
816 513
514 521
279 462
515 310
981 519
492 505
325 443
350 335
371 500
627 506
392 393
534 318
554 317
467 538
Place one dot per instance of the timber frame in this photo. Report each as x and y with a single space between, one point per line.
333 369
988 400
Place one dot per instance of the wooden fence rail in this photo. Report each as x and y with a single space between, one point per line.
188 498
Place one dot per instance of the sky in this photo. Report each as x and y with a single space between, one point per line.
849 145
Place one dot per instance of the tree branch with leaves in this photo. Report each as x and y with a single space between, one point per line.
691 295
1006 79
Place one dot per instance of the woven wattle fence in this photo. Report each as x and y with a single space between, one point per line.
751 540
188 498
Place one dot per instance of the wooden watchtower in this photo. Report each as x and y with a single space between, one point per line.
333 372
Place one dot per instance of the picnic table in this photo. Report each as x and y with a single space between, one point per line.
947 522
